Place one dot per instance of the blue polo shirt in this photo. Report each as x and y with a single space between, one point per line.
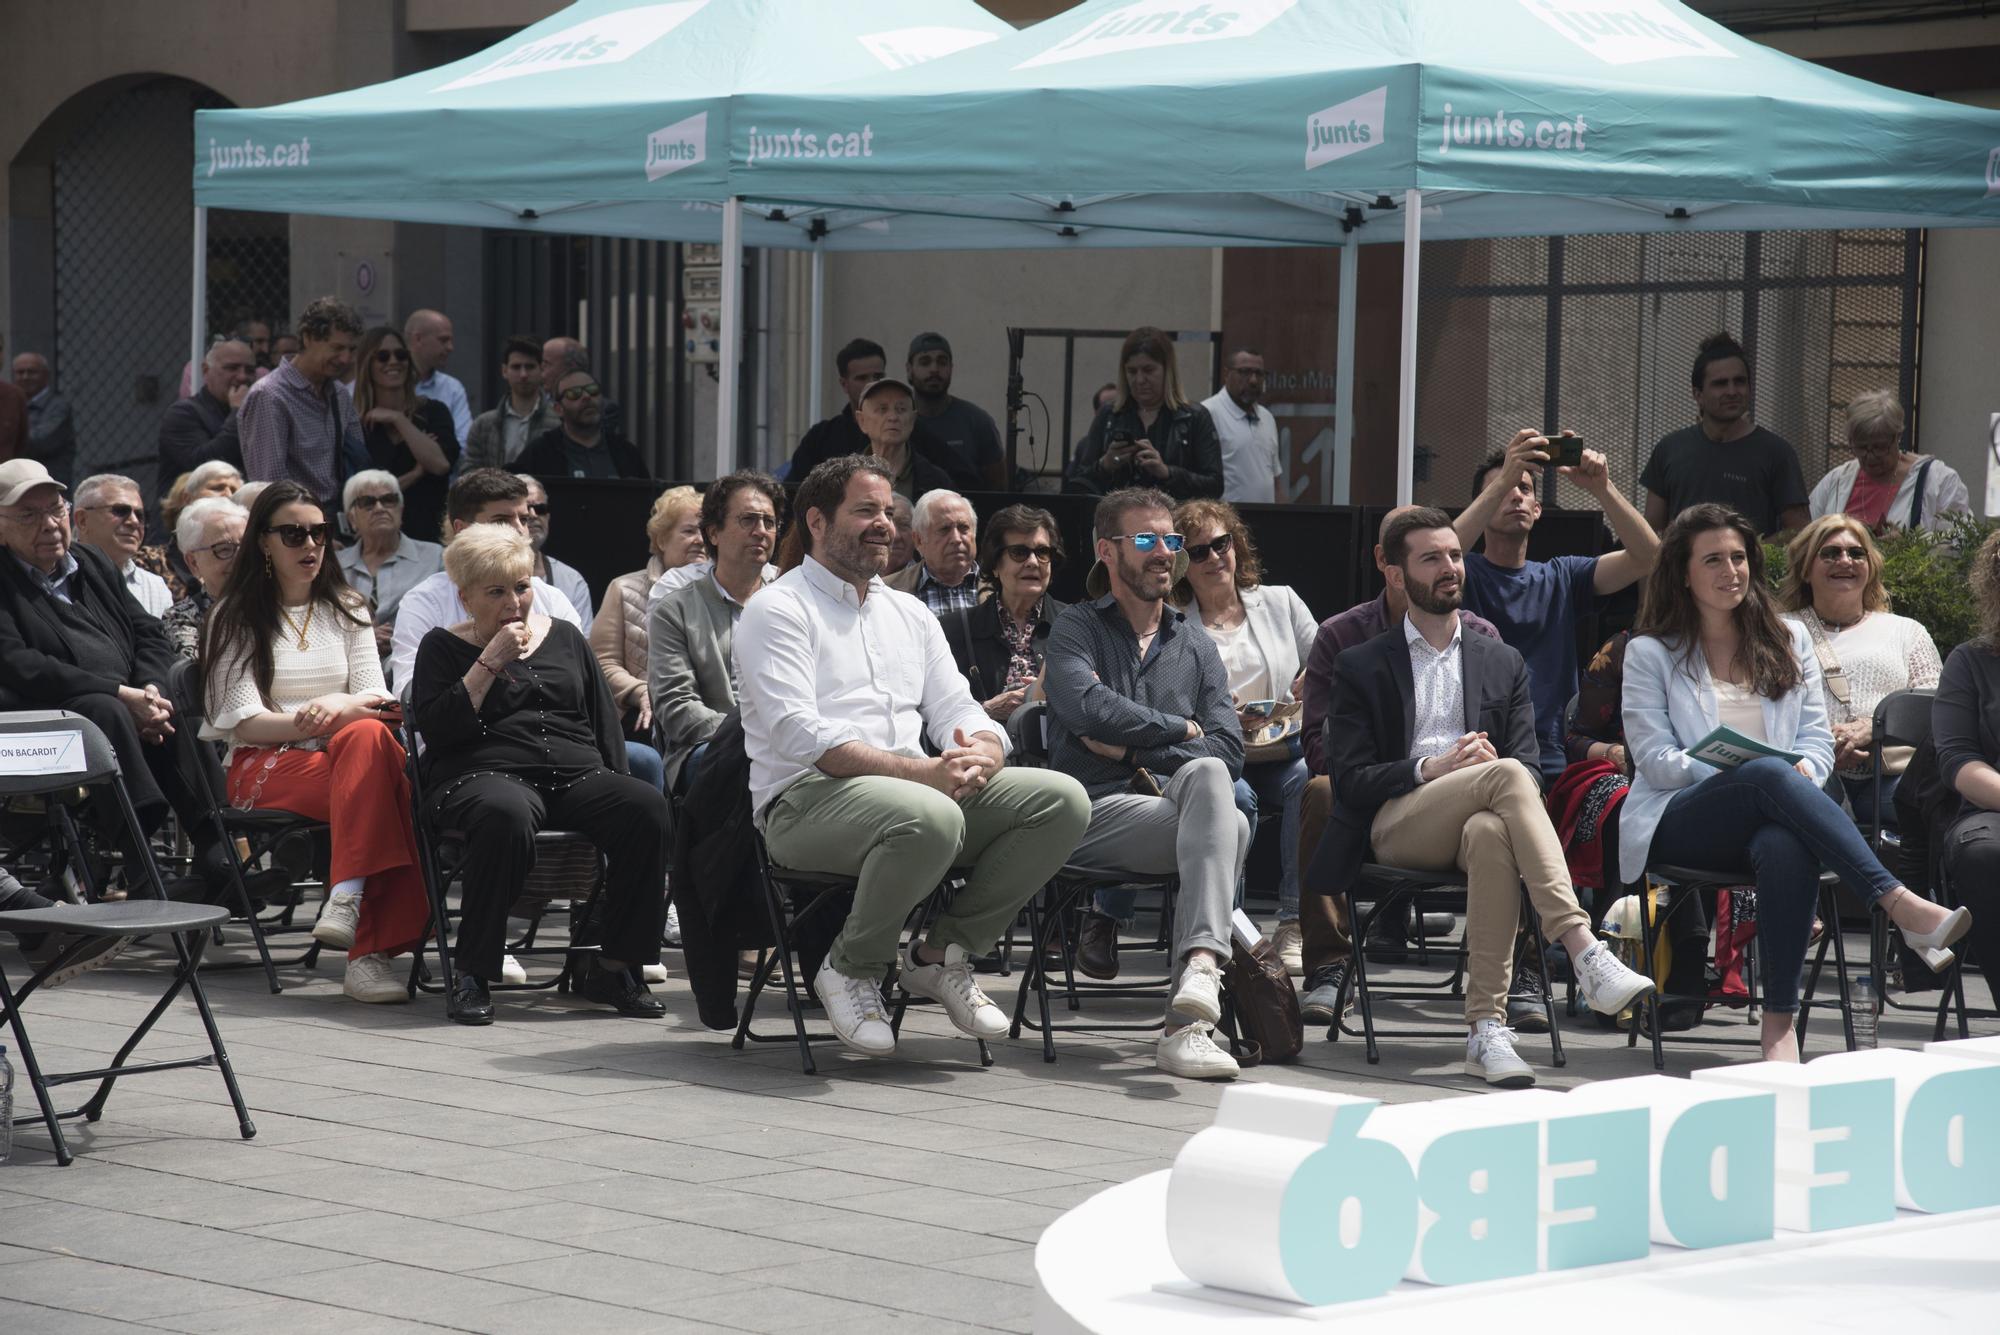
1536 609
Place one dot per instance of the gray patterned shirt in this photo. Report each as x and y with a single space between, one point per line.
1438 679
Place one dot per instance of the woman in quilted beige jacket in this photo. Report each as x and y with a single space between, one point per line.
618 635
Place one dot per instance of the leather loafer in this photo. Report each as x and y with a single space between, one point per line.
621 991
1097 947
471 1003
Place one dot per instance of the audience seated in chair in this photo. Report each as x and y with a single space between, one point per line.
1134 686
521 734
383 562
944 576
292 682
1430 740
998 643
208 533
841 680
618 631
1711 648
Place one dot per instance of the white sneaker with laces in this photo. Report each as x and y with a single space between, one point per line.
950 984
670 935
337 921
1290 943
1199 997
1489 1053
1190 1052
371 978
511 970
855 1009
1608 987
652 973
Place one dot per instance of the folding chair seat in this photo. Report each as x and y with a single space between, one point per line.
1049 916
1388 888
822 891
46 752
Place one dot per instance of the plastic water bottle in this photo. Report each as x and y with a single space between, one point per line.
1867 1002
6 1107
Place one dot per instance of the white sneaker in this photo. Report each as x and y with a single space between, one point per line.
1489 1053
1290 943
1199 997
1608 987
670 932
950 985
337 921
855 1009
511 970
371 978
652 973
1192 1054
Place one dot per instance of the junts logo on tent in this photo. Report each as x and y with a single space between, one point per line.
1503 131
1627 33
1149 23
913 46
251 155
1346 128
797 143
606 40
677 147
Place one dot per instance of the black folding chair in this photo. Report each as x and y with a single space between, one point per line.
49 752
1902 718
262 830
1050 914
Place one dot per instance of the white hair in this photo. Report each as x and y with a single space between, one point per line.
88 490
928 503
193 523
206 473
368 477
247 494
215 349
533 483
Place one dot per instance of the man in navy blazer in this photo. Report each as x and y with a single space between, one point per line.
1430 742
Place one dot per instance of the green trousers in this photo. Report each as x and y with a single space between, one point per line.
899 838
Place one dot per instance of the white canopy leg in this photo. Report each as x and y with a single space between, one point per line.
729 363
198 325
1334 482
1406 391
814 339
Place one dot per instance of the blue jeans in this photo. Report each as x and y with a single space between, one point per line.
1861 796
646 764
1789 829
1277 785
1116 901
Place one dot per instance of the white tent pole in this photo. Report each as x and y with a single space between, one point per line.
1406 385
1343 374
816 337
729 366
198 325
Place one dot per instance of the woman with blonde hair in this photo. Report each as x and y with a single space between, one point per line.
1152 436
1882 485
1833 588
618 634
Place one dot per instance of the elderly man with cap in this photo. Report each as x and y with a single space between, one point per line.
963 428
1140 714
71 637
887 415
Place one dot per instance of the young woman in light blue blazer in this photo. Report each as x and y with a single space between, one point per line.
1710 649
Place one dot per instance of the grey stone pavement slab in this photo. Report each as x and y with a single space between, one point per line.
565 1168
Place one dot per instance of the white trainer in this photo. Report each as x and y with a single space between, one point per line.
855 1009
1290 943
950 985
371 978
652 973
1199 997
1608 987
670 934
1489 1054
511 970
1191 1053
337 921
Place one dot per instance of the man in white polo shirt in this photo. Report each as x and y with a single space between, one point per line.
1251 469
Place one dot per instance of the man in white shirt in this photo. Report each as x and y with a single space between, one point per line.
482 496
565 577
111 517
428 335
1251 469
840 681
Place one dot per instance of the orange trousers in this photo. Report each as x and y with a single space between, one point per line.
359 787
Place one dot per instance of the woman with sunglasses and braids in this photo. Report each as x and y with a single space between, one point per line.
291 681
410 437
1264 633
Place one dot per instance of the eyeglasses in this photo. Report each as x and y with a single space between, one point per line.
222 551
756 523
1200 552
575 392
37 518
121 512
384 356
370 502
540 508
1145 542
1022 552
298 535
1833 552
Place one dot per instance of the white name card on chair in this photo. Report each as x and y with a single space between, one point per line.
36 754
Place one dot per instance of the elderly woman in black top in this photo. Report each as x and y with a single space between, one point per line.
1965 727
998 644
521 733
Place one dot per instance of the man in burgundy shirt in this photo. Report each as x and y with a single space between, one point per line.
1323 918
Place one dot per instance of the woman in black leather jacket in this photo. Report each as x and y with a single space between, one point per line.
1152 436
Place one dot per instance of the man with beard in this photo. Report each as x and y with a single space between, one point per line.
841 679
1725 456
1136 686
966 429
582 446
1430 742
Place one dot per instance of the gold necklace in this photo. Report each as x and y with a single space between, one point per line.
298 630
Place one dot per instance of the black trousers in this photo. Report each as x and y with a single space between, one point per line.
499 815
1972 863
156 780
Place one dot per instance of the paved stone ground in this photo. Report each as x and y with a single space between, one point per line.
567 1168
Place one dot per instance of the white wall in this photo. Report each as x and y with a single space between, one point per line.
1960 376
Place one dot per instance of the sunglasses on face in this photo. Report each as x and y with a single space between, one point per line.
540 508
1833 552
124 514
575 392
1200 551
366 503
385 356
1022 552
1145 542
297 535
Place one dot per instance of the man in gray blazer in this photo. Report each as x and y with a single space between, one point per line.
689 632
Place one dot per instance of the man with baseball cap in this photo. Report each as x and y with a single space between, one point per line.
861 363
887 415
964 428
